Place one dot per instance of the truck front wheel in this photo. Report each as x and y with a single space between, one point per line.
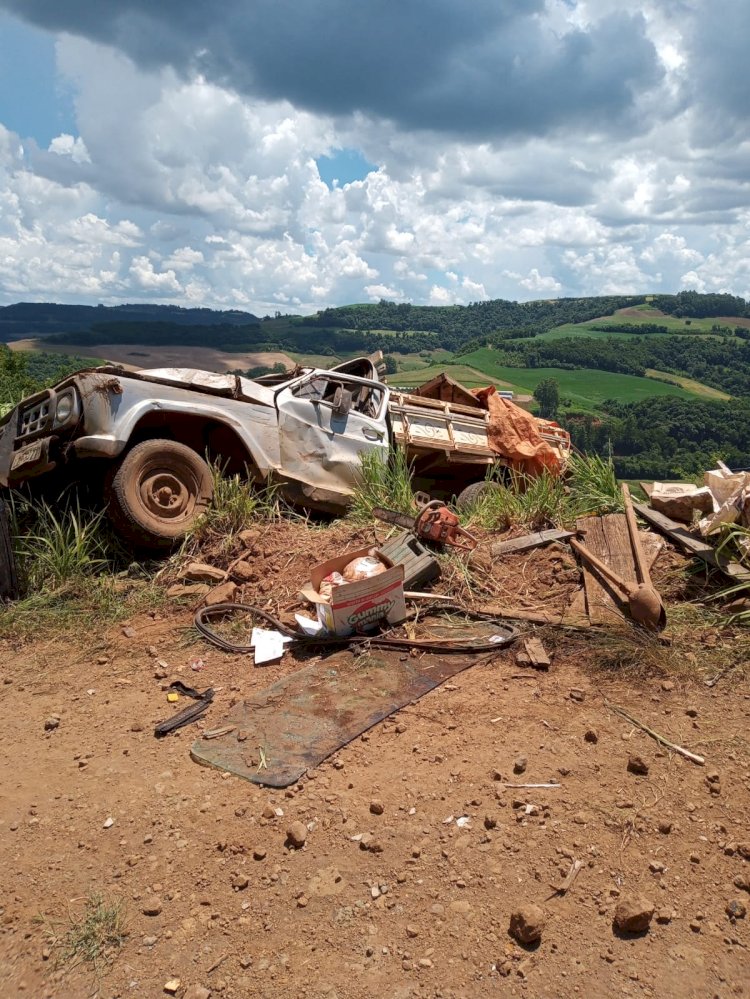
157 492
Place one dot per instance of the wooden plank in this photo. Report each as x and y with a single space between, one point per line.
529 541
537 653
694 546
608 538
564 619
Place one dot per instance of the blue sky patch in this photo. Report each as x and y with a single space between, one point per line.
344 166
33 101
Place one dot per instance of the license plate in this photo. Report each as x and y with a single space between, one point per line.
28 454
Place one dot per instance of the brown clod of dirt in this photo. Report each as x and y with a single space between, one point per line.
636 765
633 915
296 835
224 593
201 572
527 923
243 572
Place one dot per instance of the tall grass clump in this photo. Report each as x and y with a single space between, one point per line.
593 485
58 546
236 504
736 544
384 481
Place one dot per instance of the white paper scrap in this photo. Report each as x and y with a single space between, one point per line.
268 645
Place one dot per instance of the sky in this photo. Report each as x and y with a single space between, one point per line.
288 155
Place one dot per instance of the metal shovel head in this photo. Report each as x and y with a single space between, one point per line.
646 607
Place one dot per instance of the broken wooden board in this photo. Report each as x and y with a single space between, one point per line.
537 654
529 541
607 537
567 618
275 736
688 542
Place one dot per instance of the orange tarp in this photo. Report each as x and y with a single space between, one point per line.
515 435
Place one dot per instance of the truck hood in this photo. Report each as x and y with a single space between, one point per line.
209 381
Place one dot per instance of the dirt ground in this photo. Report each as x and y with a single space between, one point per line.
97 805
134 355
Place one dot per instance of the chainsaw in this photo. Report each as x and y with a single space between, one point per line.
434 522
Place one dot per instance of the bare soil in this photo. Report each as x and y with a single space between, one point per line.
135 355
241 913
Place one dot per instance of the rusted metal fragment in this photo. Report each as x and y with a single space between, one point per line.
293 725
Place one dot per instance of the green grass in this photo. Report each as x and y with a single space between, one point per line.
587 388
582 329
383 482
467 375
94 936
590 487
689 384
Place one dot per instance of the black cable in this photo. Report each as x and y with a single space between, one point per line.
505 633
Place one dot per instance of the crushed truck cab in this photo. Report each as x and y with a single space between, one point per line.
151 431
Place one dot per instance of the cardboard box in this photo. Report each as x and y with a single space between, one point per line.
360 606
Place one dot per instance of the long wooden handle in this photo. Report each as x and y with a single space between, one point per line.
644 576
604 569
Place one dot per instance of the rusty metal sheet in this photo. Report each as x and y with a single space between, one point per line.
275 736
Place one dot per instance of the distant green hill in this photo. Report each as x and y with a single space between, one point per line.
27 319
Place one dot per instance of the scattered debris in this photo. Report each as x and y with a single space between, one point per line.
655 735
189 714
695 546
569 879
529 541
536 654
643 601
679 500
434 522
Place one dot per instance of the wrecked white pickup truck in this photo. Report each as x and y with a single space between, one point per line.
148 436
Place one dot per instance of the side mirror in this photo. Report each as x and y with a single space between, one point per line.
342 401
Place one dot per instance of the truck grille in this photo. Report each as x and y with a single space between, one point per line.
35 419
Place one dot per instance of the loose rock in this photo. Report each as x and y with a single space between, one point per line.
51 723
527 923
243 572
200 572
736 909
633 915
196 992
296 835
591 735
665 827
225 593
377 807
151 906
520 764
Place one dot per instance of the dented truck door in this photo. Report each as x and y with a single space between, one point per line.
326 420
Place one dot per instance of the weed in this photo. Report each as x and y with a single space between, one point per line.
383 481
83 607
58 547
236 504
593 485
95 936
737 540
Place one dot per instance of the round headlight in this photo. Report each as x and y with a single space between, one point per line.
64 408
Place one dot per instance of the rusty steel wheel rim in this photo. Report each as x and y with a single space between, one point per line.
166 495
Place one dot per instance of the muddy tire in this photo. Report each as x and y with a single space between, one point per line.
157 492
471 494
8 573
